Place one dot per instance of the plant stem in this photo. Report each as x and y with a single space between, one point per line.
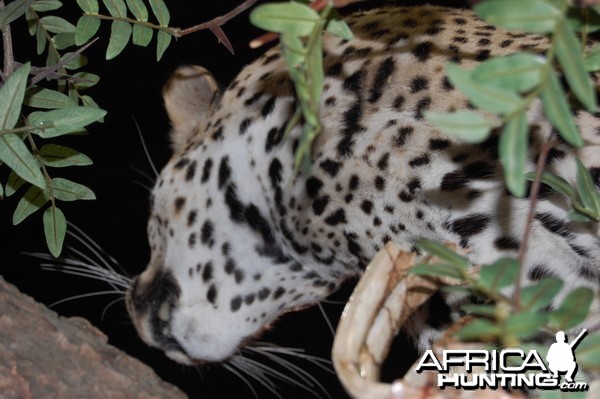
217 22
8 48
24 129
533 198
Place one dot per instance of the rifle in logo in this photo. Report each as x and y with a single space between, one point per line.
561 355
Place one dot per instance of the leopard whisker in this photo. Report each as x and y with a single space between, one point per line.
256 373
88 268
142 185
304 383
144 175
88 295
305 376
145 148
96 249
323 364
327 320
85 271
110 304
231 368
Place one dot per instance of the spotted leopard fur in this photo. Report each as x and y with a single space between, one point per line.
234 246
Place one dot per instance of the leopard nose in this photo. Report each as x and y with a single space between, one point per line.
154 295
150 302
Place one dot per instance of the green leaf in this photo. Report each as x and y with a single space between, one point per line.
467 125
530 16
13 10
138 9
116 8
142 35
576 216
34 199
314 63
294 52
498 275
55 228
573 310
89 6
161 12
86 28
519 72
16 155
481 310
557 183
478 329
13 184
294 18
435 249
56 24
592 59
558 112
63 40
66 120
76 61
337 26
513 153
58 156
41 40
38 97
32 24
163 39
588 351
1 191
89 102
85 80
486 97
52 58
120 33
586 188
569 54
437 270
526 324
540 294
46 5
66 190
11 97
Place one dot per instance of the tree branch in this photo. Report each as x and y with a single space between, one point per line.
8 48
533 197
43 355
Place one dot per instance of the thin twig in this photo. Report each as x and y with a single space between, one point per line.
533 198
8 48
217 22
43 73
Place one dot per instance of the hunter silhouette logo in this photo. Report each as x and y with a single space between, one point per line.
561 355
511 368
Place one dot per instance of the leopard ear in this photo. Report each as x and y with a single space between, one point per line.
188 96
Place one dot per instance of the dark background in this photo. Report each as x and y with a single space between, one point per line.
131 89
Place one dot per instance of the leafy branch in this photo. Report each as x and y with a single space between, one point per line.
301 29
138 29
505 88
45 102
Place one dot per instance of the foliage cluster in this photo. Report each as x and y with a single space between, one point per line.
39 104
502 89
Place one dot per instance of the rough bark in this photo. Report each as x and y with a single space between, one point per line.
44 355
